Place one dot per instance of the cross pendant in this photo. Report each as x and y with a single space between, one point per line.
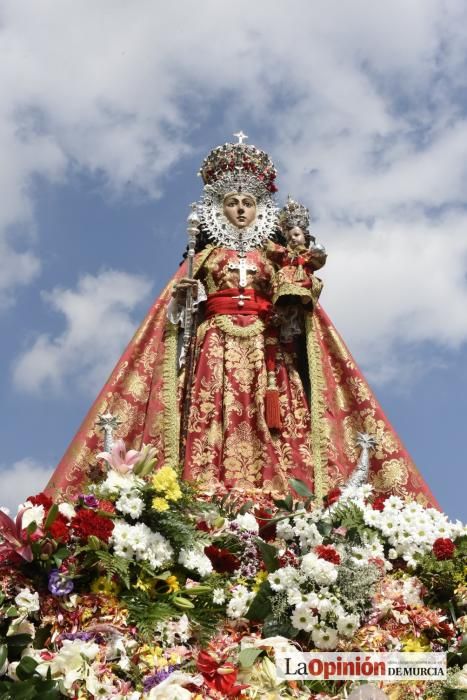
243 268
241 299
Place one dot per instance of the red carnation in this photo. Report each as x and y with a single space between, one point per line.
59 529
106 506
378 503
222 560
267 530
41 499
332 496
289 558
88 522
328 553
443 548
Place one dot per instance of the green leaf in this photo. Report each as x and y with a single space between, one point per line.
3 654
247 657
260 606
51 516
19 640
278 628
269 554
12 611
301 488
246 507
284 503
42 634
26 667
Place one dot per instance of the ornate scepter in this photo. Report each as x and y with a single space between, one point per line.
192 231
189 328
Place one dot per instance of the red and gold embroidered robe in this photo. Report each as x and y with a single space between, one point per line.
229 441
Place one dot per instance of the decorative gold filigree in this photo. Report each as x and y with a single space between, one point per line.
226 325
171 421
317 407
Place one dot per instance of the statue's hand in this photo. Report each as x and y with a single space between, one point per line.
180 290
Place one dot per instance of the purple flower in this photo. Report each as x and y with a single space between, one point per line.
83 636
89 500
59 584
156 678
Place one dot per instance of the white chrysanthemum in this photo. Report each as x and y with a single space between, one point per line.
307 533
325 605
195 559
372 517
140 541
130 504
324 638
366 490
247 521
388 524
116 483
348 624
218 596
284 578
319 570
303 619
285 530
240 601
294 596
393 504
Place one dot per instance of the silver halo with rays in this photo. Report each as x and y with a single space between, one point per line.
219 229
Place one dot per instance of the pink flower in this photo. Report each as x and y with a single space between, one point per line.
119 459
14 537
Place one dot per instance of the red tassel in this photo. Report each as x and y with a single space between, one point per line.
273 415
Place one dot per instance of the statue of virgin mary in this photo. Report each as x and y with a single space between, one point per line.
269 390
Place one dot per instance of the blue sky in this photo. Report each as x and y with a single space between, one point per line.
107 111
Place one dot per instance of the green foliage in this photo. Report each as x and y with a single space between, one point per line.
269 555
442 577
205 621
113 566
357 585
273 627
29 684
146 614
260 606
350 516
175 527
302 489
248 656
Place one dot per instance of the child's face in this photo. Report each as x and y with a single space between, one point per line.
295 237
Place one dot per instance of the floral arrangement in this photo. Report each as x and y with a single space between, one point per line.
143 588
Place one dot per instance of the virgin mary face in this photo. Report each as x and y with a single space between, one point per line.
240 209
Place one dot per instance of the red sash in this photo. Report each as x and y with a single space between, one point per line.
245 302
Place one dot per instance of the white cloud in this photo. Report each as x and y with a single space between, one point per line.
98 324
363 109
24 478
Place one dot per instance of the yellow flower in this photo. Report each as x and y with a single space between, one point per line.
173 493
159 504
145 584
173 584
412 643
259 578
165 479
105 585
